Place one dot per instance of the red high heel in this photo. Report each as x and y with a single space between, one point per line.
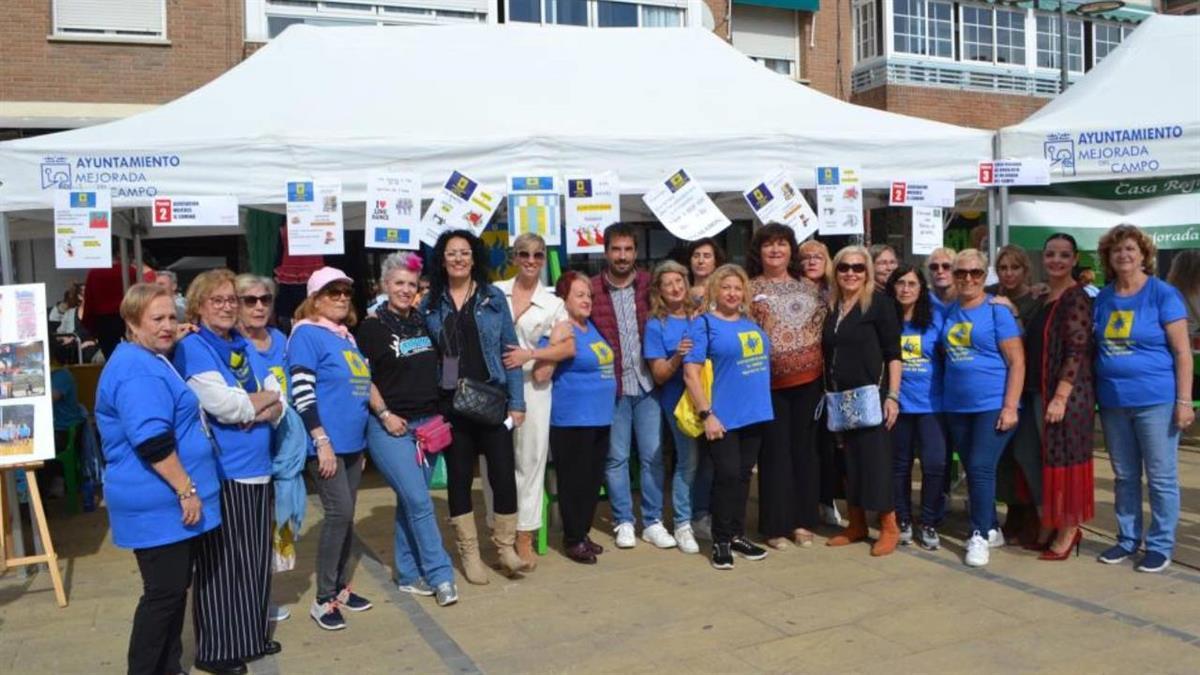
1050 554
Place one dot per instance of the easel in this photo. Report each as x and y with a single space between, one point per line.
43 531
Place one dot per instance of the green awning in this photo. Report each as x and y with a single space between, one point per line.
798 5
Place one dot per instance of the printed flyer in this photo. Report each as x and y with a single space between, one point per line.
393 211
592 204
926 229
461 204
26 422
684 209
195 211
82 229
776 199
314 217
839 200
534 205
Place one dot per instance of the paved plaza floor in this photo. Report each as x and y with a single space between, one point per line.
814 610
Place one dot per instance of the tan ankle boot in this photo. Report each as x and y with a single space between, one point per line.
504 536
468 548
855 531
889 535
525 550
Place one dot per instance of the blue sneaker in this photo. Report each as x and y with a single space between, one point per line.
352 602
1114 555
326 614
1153 562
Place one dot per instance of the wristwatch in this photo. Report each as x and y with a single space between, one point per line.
704 414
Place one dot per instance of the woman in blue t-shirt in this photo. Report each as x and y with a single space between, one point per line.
241 399
740 403
581 412
161 484
919 425
664 346
331 384
1143 377
985 370
256 296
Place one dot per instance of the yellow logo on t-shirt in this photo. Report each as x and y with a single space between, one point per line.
1120 325
604 353
752 343
358 367
960 335
281 376
910 347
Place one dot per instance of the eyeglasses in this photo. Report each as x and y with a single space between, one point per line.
535 255
251 300
335 293
907 283
939 267
458 255
857 268
222 300
974 273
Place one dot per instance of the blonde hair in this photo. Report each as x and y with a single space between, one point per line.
138 298
308 310
714 286
1109 240
245 282
868 287
528 240
943 252
203 286
658 305
818 247
1019 256
971 253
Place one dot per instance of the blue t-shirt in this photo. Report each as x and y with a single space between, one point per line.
343 385
921 368
976 373
662 338
585 391
66 410
243 453
1134 363
740 353
140 397
276 359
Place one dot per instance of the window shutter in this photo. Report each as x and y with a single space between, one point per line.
140 17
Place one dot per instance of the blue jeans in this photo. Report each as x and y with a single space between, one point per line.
919 435
1136 437
979 446
639 415
419 553
683 483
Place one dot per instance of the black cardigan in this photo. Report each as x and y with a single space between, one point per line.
856 352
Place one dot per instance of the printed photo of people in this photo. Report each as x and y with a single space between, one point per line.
16 430
22 370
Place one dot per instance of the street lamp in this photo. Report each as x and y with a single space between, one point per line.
1086 9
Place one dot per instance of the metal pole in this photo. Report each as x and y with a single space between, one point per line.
137 244
123 252
1002 207
1064 73
6 257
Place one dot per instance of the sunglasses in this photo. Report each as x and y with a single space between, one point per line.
939 267
535 255
857 268
975 274
338 293
251 300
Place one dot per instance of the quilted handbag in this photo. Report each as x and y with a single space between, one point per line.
480 402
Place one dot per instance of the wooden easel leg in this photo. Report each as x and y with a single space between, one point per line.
5 553
51 558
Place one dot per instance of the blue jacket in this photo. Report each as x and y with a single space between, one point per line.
496 331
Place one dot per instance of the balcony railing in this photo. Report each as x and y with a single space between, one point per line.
953 76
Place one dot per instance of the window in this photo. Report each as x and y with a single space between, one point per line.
529 11
978 34
781 66
566 12
662 17
992 35
616 14
1010 37
1048 45
1106 37
866 34
100 19
923 27
283 13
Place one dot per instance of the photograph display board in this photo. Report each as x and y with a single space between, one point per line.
26 423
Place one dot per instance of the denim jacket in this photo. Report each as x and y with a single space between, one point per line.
495 324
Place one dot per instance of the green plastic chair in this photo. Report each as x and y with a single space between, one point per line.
71 474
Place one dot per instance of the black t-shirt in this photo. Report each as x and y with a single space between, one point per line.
460 337
404 363
1035 326
857 349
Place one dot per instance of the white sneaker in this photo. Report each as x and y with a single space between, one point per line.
278 613
625 536
995 539
702 528
657 534
830 515
977 551
686 540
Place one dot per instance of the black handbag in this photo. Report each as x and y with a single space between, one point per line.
480 402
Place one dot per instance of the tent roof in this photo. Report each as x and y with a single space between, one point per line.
1150 82
485 100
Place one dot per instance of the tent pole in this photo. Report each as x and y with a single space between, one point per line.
137 244
993 213
6 257
1003 206
123 252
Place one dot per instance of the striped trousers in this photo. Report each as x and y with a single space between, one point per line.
232 583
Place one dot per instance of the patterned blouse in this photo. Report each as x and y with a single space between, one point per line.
792 313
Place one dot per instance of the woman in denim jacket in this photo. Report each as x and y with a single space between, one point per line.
469 321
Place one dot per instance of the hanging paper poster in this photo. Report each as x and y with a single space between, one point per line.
776 199
195 211
925 193
82 229
684 209
593 204
926 229
26 422
314 217
1014 172
462 204
393 211
533 206
839 200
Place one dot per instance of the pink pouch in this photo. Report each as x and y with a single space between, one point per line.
432 437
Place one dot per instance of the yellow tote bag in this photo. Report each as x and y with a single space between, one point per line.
686 415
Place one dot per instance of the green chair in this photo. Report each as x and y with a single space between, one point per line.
70 462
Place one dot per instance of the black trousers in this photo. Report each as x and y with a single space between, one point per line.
233 576
733 459
155 644
868 468
110 329
579 454
789 468
472 439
